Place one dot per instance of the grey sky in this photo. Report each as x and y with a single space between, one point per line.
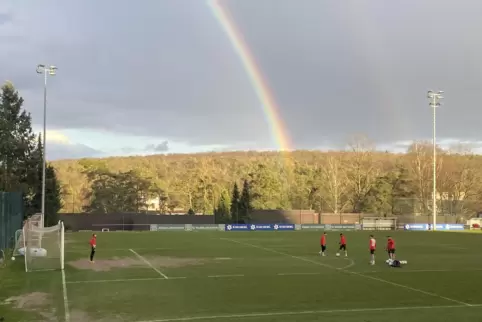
165 68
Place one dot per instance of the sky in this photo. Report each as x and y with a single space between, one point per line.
163 76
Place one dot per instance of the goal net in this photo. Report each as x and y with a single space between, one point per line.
42 247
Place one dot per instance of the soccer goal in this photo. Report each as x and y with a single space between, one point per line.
41 247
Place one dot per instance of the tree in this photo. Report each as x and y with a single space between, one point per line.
245 207
53 200
17 143
235 199
22 159
402 190
361 171
267 188
420 155
53 190
114 192
378 199
335 185
221 212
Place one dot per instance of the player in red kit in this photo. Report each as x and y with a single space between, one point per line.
343 244
391 248
93 245
373 248
323 244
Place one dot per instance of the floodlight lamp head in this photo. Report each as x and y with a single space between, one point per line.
40 68
52 70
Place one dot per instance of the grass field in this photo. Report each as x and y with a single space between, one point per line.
250 277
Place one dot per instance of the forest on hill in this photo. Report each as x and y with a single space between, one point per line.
356 180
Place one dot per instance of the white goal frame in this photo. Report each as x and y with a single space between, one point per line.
32 241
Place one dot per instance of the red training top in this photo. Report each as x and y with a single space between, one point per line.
93 241
373 244
390 244
343 240
323 240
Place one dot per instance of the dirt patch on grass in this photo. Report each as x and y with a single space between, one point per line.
29 301
105 265
36 302
168 262
81 316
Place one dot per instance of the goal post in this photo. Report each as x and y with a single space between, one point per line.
43 248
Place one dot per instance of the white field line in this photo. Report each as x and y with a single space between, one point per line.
149 264
126 280
295 274
242 275
82 249
294 313
351 272
66 300
232 275
430 270
352 263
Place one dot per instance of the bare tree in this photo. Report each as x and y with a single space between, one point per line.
335 185
461 181
361 170
420 154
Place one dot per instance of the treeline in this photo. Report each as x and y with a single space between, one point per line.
359 179
21 158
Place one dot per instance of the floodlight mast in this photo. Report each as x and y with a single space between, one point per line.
434 98
52 71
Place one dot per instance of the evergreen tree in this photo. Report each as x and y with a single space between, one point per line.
21 158
221 212
53 193
235 199
245 207
17 142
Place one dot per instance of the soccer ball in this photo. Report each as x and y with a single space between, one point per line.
337 254
13 258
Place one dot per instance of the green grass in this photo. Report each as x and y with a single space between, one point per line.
441 280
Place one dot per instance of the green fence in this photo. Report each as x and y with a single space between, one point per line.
11 217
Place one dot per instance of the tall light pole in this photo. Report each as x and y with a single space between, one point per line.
434 98
46 71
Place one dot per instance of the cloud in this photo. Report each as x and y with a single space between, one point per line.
162 147
5 18
53 136
334 69
60 146
57 151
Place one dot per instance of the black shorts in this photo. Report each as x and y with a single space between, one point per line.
343 247
323 248
391 251
372 251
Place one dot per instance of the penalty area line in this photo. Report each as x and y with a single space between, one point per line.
149 264
295 313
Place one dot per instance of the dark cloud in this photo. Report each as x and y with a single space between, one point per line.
335 68
162 147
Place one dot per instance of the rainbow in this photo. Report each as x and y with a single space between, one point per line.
268 102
